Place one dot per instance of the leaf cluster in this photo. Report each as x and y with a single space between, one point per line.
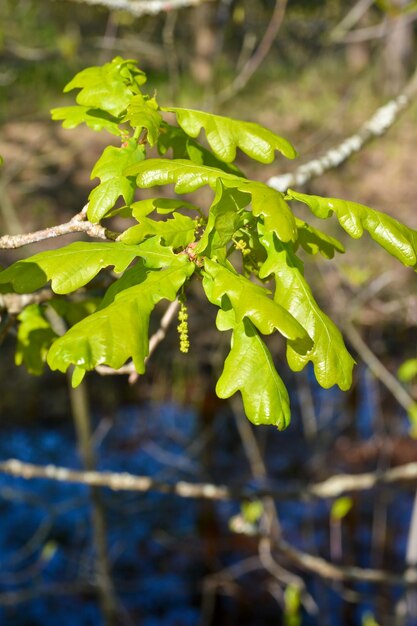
246 248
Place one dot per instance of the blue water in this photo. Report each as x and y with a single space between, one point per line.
162 547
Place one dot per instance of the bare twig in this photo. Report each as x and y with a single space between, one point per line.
253 63
14 303
377 125
332 487
138 8
77 224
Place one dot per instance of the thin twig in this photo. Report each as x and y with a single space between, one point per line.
377 125
332 487
250 67
77 224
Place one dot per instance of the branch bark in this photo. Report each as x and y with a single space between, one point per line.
138 8
77 224
376 126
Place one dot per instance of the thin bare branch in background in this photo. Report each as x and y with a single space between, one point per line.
138 8
253 63
351 18
377 125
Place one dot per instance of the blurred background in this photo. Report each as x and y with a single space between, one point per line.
312 71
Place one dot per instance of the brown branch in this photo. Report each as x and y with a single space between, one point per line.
14 303
376 126
77 224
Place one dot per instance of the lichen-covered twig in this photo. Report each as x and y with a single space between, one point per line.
144 7
377 125
77 224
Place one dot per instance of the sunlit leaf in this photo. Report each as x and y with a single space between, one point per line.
225 135
119 331
313 240
177 232
94 118
394 237
332 362
144 114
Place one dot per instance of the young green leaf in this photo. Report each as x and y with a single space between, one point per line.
313 240
34 336
73 266
93 118
332 362
177 232
187 177
184 147
249 368
225 217
225 135
108 87
142 208
110 169
119 331
143 113
253 302
396 238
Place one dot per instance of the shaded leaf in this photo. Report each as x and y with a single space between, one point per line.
394 237
313 240
34 336
332 362
184 147
93 118
144 113
225 135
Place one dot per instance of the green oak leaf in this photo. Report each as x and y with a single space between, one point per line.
108 87
34 337
188 177
109 169
73 266
177 232
253 302
95 119
332 362
225 135
396 238
120 330
144 113
184 147
142 208
313 240
225 218
249 368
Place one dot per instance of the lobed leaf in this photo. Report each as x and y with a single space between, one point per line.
332 362
253 302
34 337
108 87
110 169
177 232
249 368
95 119
143 113
396 238
73 266
119 330
225 135
313 240
188 177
